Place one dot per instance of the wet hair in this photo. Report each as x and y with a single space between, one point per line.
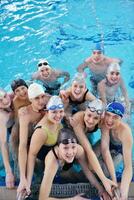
17 83
66 136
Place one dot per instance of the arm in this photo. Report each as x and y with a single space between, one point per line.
23 138
37 141
106 153
3 142
35 76
125 94
101 91
82 67
66 76
84 164
91 177
127 143
90 96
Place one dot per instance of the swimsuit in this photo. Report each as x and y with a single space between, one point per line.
115 145
51 141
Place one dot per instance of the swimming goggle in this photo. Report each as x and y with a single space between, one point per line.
43 63
115 73
97 52
55 107
115 111
68 141
93 109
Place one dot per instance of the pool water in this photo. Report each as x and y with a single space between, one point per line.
64 32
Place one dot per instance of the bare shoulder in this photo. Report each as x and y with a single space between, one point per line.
36 75
126 132
110 60
102 83
88 60
24 111
80 151
4 116
79 116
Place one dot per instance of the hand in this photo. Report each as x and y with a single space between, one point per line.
23 189
108 184
105 196
79 197
64 96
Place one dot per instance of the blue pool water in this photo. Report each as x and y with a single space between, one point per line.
64 32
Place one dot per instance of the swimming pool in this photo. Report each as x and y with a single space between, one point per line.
64 32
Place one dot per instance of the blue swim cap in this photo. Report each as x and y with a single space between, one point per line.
99 47
116 108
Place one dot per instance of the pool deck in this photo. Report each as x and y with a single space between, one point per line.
6 194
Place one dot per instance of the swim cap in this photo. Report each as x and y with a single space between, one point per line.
43 63
17 83
66 136
79 78
35 90
54 103
113 67
99 47
116 108
96 106
2 93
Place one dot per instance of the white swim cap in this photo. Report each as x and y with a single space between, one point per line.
96 105
43 63
79 78
35 90
54 103
113 67
2 93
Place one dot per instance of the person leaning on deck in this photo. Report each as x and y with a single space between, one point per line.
6 121
84 124
49 77
45 134
117 136
29 116
62 157
20 90
76 96
97 64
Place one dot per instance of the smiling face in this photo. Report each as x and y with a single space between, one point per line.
5 101
113 77
111 120
21 92
91 119
45 72
55 116
68 151
78 90
38 102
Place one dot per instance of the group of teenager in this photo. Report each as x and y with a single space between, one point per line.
55 126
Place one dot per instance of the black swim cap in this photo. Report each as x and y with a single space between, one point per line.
17 83
66 136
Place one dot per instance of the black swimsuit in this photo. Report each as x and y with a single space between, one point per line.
72 102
